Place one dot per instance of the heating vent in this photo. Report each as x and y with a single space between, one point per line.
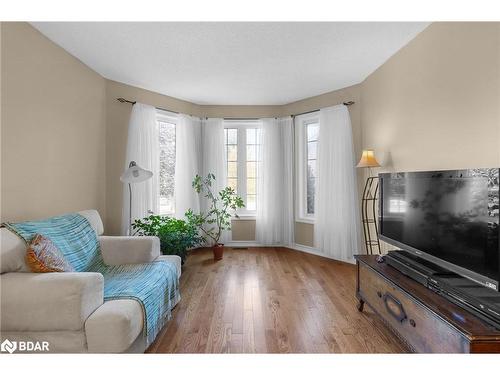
240 248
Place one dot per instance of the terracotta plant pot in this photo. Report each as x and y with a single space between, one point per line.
218 250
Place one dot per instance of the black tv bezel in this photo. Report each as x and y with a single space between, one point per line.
458 173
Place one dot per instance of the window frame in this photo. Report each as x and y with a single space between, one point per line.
301 162
242 126
171 118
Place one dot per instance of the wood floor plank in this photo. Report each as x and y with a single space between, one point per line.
271 300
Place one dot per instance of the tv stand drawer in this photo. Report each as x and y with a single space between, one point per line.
419 327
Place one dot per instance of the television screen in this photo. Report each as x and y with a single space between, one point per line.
450 215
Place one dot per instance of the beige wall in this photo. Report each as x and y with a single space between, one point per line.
53 128
436 103
243 230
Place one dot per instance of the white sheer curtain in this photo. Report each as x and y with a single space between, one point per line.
187 163
274 222
143 148
214 159
337 222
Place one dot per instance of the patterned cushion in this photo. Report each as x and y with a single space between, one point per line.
43 256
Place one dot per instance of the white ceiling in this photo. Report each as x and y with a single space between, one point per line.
233 63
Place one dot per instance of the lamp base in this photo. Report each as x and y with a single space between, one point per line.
369 215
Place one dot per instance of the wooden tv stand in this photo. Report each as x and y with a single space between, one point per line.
425 321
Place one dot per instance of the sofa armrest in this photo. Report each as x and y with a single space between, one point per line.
117 250
49 301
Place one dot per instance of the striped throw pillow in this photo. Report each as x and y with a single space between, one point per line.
43 256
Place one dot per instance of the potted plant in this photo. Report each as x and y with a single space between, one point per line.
176 236
222 206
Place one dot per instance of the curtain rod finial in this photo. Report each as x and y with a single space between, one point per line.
123 100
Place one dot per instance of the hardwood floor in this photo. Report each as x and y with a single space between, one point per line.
271 300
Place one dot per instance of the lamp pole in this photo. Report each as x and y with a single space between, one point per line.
129 209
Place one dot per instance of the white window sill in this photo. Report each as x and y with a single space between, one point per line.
244 217
305 220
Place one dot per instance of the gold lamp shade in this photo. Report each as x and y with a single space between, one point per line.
368 160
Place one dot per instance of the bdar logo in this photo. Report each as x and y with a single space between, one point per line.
8 346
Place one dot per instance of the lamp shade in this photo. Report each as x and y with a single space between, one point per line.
134 174
368 160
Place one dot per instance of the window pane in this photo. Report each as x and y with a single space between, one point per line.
232 153
232 169
312 150
252 153
312 132
251 186
251 202
311 169
251 136
252 169
167 133
232 182
311 185
167 167
232 136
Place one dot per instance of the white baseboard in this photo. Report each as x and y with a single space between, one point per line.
313 251
295 246
308 250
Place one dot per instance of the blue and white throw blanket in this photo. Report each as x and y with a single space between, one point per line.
154 285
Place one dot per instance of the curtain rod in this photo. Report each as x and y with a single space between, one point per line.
241 118
350 102
122 100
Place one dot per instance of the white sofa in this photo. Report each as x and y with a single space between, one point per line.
67 309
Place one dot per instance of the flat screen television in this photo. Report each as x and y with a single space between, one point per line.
450 218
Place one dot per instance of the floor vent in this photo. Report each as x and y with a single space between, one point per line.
240 248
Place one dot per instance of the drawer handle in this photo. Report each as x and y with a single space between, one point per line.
394 307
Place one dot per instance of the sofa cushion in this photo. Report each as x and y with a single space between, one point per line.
114 326
94 219
49 301
12 252
43 256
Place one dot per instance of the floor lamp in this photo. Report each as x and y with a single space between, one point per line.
132 175
369 199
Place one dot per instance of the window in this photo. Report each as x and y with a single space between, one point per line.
166 131
242 142
307 138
